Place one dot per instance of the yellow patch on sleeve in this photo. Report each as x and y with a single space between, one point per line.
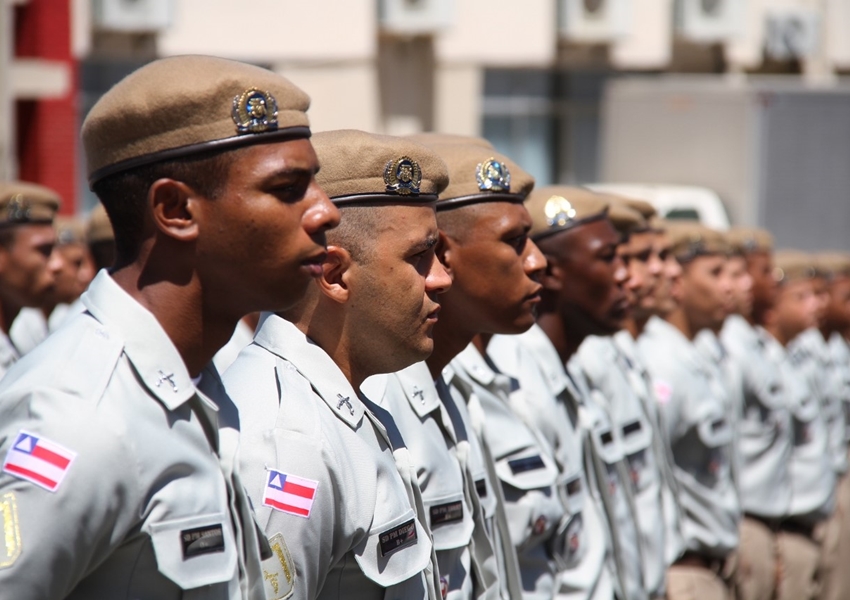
279 570
11 548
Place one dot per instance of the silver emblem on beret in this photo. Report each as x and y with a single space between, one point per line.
558 211
18 210
493 176
254 111
403 176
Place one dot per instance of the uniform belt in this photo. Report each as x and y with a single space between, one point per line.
787 525
772 523
695 559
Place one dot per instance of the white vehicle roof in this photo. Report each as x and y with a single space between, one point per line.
674 201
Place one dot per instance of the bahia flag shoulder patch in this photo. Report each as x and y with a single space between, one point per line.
38 460
289 494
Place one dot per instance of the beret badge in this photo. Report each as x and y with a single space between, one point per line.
403 176
19 209
493 176
559 211
254 111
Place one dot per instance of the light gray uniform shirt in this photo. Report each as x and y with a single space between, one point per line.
607 370
531 358
28 329
812 354
112 484
9 355
641 384
438 443
525 468
840 351
810 467
329 488
764 434
700 433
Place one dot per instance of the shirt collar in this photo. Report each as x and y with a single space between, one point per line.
146 345
282 338
419 389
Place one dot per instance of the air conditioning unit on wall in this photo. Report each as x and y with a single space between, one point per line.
710 21
593 21
792 33
415 17
132 16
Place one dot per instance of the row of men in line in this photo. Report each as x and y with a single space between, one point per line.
487 390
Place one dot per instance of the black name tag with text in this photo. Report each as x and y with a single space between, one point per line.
481 487
202 540
449 512
521 465
398 537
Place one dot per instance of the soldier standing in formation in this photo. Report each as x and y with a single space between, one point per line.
474 389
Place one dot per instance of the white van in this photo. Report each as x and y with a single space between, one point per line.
674 201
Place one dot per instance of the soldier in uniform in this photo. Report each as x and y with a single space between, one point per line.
695 411
563 411
810 468
118 446
328 471
495 269
28 265
100 238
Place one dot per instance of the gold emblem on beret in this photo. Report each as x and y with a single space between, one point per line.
254 111
559 211
493 176
403 176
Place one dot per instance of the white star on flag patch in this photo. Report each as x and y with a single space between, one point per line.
289 494
38 460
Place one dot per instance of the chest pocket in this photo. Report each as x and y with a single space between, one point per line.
450 519
715 433
803 415
394 551
567 548
195 551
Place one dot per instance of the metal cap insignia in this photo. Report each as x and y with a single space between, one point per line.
19 209
493 176
559 211
254 111
403 176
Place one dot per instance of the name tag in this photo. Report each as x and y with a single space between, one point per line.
573 486
446 513
481 487
202 540
521 465
398 537
632 427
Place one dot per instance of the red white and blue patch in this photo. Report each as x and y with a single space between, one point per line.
38 460
289 494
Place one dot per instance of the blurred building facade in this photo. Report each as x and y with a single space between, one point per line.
528 75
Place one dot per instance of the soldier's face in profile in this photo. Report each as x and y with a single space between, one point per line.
394 288
742 285
74 274
706 291
644 270
28 265
821 288
265 233
496 270
796 308
668 291
760 267
838 311
592 276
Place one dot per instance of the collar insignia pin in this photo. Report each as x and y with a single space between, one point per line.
343 400
493 176
418 393
169 377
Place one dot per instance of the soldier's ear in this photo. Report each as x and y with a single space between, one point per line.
173 206
553 275
336 274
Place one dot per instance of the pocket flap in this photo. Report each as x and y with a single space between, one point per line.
451 521
527 470
636 436
394 551
195 551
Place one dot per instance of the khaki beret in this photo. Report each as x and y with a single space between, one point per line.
429 138
176 107
359 167
625 219
69 230
833 264
745 240
477 173
99 228
791 265
690 239
22 202
647 211
558 208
